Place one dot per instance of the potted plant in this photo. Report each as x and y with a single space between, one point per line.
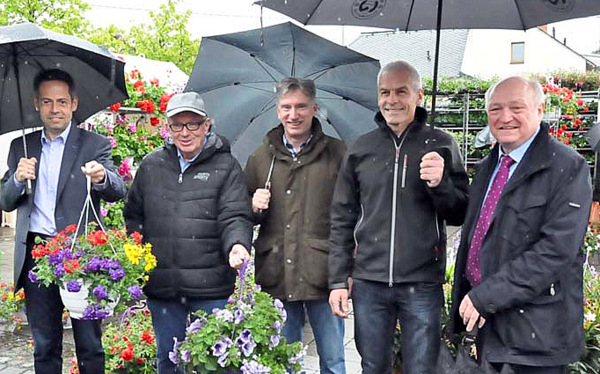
103 268
244 337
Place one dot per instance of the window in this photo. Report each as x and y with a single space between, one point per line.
517 53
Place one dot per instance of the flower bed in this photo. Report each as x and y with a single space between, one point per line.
11 303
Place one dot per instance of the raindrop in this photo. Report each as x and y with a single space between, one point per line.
26 62
58 64
339 19
164 311
183 300
72 176
97 97
411 290
285 2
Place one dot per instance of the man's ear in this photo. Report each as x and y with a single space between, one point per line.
420 97
35 104
75 103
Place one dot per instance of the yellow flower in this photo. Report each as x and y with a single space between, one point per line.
150 260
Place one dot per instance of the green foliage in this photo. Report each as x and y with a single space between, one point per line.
164 37
453 85
64 16
588 81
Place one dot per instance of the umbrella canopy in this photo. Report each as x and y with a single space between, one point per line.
26 49
434 15
236 75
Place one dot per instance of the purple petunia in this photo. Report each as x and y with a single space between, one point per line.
117 274
223 315
59 271
277 326
239 316
32 276
253 367
195 325
100 292
95 312
275 339
186 355
174 354
93 265
279 305
73 286
135 292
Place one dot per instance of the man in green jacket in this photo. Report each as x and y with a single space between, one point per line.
291 178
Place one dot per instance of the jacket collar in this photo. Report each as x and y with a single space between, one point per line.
538 157
418 122
213 143
274 140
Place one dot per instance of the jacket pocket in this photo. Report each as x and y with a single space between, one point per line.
269 265
315 267
536 327
522 223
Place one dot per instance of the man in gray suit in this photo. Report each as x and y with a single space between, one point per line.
62 155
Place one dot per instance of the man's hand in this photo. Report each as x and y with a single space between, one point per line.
95 170
432 168
469 314
260 199
25 169
338 300
238 254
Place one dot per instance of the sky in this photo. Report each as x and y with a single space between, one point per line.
212 17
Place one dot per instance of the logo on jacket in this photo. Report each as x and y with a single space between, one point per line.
203 176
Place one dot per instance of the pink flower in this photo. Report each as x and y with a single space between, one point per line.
164 133
131 127
113 142
109 126
125 170
103 211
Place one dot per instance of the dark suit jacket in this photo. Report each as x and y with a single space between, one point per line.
81 147
531 258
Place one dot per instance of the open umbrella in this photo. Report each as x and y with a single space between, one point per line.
26 49
236 75
434 15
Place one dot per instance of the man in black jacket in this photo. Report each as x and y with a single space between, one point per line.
189 200
397 187
519 267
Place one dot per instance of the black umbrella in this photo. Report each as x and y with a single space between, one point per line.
26 49
236 76
431 15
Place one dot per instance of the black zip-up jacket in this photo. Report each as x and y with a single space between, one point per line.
192 219
387 225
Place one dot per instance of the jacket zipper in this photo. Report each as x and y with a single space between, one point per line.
395 203
362 216
180 180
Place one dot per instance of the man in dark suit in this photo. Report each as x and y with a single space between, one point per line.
519 269
62 155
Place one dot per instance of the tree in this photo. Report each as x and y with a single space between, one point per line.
164 37
65 16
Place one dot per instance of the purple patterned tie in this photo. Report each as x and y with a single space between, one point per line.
485 218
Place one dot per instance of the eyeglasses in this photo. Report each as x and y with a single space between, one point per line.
191 126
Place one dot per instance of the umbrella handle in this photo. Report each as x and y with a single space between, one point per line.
28 187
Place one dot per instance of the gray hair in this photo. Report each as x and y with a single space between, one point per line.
306 86
534 88
399 66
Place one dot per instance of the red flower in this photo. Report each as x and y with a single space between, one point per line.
115 107
135 73
146 105
164 100
140 360
71 265
586 109
71 228
567 142
154 121
127 354
579 102
139 87
137 237
581 128
569 135
154 82
97 238
147 338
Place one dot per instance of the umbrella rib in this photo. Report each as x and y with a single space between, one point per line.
412 4
520 14
260 63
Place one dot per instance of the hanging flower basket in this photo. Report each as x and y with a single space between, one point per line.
77 304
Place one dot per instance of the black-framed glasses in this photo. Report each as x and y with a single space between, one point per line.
191 126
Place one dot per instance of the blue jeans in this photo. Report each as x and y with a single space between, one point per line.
327 329
377 307
44 315
169 319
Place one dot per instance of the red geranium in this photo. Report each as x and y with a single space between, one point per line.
154 121
115 107
71 265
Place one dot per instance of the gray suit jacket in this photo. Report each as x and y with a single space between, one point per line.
81 147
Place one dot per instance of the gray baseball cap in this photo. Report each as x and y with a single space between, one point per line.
186 102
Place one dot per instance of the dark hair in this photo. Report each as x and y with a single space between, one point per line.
54 75
306 86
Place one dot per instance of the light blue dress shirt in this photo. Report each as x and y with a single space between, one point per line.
44 202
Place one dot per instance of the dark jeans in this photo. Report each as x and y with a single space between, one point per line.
377 307
44 315
169 319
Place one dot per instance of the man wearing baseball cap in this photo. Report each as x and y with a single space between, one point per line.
189 200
